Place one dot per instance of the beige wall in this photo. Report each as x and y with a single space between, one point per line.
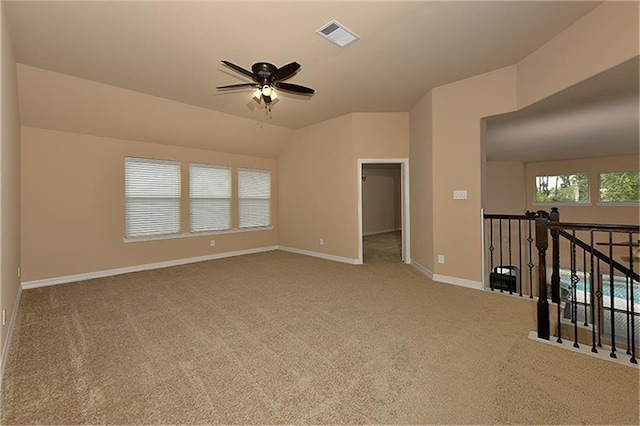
594 213
317 189
381 199
605 37
506 189
381 135
73 205
318 172
9 184
456 131
421 176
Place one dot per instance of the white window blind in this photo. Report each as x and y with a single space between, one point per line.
210 193
254 197
152 192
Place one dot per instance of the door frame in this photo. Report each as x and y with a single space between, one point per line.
404 204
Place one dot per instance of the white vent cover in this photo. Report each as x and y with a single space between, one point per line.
337 33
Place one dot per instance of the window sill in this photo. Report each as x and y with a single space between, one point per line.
563 204
618 204
127 240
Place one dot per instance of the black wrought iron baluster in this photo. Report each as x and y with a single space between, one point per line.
555 277
600 302
491 249
501 262
584 287
627 282
530 265
633 302
574 291
520 254
510 261
592 289
612 306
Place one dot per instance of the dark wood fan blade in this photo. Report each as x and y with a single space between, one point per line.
237 86
295 88
240 69
286 71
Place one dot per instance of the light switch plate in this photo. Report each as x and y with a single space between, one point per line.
460 194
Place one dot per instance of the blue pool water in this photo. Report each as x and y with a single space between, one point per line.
620 286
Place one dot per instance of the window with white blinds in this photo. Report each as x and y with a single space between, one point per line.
254 197
210 193
152 192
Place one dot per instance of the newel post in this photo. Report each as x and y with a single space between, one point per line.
554 216
542 243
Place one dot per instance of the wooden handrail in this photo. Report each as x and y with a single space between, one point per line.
594 227
508 216
597 253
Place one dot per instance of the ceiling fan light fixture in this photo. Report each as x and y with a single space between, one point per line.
266 90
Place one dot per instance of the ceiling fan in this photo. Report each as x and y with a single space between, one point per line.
267 77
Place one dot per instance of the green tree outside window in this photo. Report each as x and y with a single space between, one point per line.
620 187
570 188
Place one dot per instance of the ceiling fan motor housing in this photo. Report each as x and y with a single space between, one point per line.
264 72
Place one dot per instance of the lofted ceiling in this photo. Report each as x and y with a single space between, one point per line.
173 49
598 117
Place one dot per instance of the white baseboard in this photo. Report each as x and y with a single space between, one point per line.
7 341
603 352
320 255
422 269
476 285
111 272
384 231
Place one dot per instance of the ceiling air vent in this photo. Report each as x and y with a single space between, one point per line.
337 33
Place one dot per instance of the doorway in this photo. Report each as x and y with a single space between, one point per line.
383 210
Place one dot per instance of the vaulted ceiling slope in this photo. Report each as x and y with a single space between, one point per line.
598 117
173 50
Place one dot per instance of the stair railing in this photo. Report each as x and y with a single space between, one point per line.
599 295
595 292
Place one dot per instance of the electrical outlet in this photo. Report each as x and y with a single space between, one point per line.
4 316
212 243
18 272
321 241
441 258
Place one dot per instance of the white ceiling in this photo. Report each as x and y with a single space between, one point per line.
173 49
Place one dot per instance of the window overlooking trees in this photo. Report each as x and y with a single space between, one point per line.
620 187
570 188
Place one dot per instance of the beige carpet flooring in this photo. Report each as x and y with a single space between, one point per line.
280 338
